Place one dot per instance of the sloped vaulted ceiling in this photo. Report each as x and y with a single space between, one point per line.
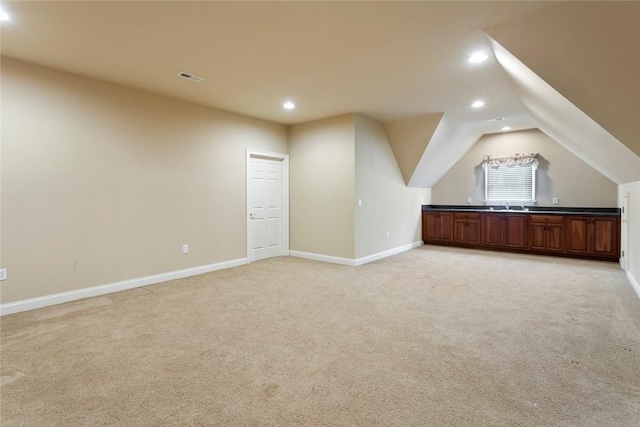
391 61
409 139
575 68
590 53
568 125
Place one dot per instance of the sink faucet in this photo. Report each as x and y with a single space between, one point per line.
506 205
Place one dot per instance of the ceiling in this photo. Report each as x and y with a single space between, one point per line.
387 60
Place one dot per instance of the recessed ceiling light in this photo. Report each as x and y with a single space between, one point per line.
499 119
478 57
478 104
289 105
506 128
4 16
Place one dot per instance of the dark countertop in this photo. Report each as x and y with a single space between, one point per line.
546 210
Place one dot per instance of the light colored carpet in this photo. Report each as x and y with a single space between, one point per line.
432 337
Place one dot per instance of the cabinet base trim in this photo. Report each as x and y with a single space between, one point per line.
634 282
94 291
524 250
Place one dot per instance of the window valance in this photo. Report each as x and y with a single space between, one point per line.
517 159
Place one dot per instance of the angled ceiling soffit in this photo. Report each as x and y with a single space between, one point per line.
451 140
590 53
409 139
556 116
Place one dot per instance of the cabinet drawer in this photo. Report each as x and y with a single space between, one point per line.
467 215
546 219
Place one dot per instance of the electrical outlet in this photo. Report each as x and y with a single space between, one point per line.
555 201
468 200
3 274
359 203
185 249
387 234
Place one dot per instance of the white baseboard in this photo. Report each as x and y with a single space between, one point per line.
33 303
390 252
634 282
354 262
324 258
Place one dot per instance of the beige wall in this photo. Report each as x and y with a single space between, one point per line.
633 217
560 173
101 183
322 168
336 162
388 205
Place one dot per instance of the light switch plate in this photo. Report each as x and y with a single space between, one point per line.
3 274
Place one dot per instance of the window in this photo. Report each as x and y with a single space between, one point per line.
515 183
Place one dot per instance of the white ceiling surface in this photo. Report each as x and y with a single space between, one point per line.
387 60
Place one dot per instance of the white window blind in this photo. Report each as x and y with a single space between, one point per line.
510 183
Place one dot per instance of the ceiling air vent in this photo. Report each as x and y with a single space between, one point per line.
190 77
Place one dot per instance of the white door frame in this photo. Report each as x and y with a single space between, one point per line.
284 158
624 231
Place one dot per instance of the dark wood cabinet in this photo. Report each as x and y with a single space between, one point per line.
593 236
492 229
504 230
574 235
466 228
437 226
604 239
515 231
578 235
546 233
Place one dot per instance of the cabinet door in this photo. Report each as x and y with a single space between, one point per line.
603 241
460 230
466 229
473 231
577 231
445 226
537 232
515 234
429 226
546 233
492 230
555 238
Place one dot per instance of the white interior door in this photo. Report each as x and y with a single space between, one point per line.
624 232
265 202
